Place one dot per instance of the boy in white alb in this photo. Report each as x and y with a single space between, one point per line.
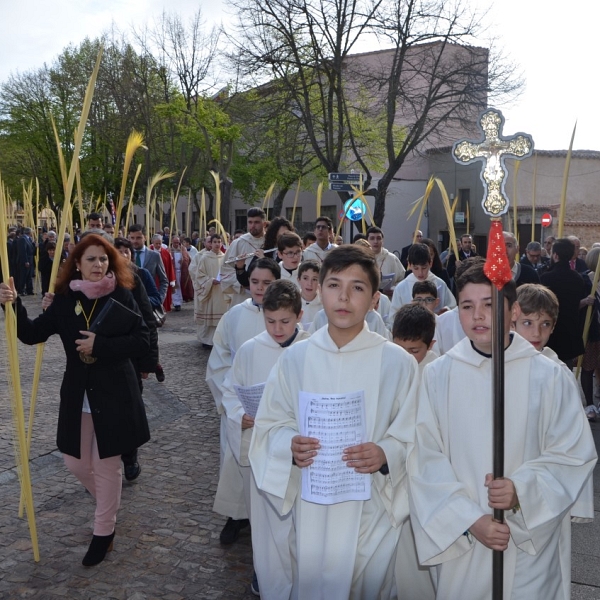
419 261
241 323
414 329
289 252
251 367
549 457
344 550
534 319
308 278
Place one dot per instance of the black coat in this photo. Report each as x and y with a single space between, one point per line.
111 383
527 275
569 287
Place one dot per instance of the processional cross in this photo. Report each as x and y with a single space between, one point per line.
492 151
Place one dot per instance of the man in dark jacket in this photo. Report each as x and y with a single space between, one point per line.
570 289
465 251
25 252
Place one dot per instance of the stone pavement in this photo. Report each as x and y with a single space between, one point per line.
167 537
167 543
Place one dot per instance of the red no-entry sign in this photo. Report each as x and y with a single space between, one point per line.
546 220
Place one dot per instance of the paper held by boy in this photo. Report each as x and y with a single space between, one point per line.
338 421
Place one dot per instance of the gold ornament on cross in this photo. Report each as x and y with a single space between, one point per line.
493 151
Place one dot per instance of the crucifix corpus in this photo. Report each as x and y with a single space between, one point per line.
492 152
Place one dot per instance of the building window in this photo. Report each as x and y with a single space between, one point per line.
330 211
241 219
464 197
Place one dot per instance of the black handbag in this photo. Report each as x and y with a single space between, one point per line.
115 319
160 315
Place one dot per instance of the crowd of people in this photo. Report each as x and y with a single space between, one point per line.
353 388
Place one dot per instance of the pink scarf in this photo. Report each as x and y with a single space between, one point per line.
95 289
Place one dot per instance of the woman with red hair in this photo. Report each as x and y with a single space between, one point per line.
101 412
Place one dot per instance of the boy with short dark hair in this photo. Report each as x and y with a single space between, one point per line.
449 330
414 330
419 261
289 251
282 309
239 324
308 279
549 456
425 293
345 549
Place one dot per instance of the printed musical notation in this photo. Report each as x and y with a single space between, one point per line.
250 397
338 421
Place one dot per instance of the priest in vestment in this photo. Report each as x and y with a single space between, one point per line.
209 301
248 243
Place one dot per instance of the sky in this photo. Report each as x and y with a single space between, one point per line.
553 42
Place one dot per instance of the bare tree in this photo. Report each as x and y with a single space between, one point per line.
427 85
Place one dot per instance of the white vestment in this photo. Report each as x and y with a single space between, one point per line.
385 310
293 276
316 253
403 293
243 245
372 318
310 310
344 550
413 582
583 510
241 323
448 331
549 456
177 260
388 264
270 530
209 301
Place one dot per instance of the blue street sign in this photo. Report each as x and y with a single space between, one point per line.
344 177
342 187
355 209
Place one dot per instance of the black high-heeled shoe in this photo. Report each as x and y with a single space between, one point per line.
101 544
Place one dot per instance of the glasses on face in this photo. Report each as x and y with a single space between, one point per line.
425 300
292 254
321 226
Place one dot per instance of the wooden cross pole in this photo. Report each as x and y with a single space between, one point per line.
492 152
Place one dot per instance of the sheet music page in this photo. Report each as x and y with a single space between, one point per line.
338 421
250 397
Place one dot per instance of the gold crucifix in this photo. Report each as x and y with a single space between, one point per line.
492 151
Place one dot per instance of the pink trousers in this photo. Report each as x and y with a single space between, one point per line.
100 476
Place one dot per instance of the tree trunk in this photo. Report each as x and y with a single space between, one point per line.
226 187
278 202
380 197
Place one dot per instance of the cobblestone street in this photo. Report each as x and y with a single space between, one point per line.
167 537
